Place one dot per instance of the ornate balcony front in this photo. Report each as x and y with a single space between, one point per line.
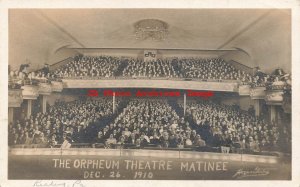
56 86
274 97
152 83
30 91
244 90
45 88
258 93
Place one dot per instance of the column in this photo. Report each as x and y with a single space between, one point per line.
29 107
10 114
184 103
257 107
114 102
44 103
272 112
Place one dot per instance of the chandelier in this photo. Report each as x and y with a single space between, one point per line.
154 29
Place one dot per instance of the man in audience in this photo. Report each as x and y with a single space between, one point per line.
99 138
252 146
46 69
110 141
199 142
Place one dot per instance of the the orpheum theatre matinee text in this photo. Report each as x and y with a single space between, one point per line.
138 169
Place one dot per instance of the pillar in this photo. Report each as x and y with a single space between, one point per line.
114 102
29 107
44 103
184 103
10 114
272 112
257 107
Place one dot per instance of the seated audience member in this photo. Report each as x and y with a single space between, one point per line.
138 143
131 139
164 140
99 138
67 142
173 141
110 141
252 145
143 141
199 142
28 138
40 139
53 141
155 139
121 143
121 140
188 141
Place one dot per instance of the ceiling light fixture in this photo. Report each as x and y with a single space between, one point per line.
154 29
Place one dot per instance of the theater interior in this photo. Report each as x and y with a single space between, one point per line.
186 86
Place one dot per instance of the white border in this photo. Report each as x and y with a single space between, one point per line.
293 4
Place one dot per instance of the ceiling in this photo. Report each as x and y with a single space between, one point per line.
40 34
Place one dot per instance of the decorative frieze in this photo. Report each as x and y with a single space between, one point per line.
30 91
244 90
45 88
56 86
274 97
152 83
258 93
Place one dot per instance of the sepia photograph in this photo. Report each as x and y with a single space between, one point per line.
186 94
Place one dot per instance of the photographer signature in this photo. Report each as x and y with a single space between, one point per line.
251 173
41 183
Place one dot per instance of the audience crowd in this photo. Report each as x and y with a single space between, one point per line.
223 125
149 122
159 68
86 66
78 119
21 77
211 69
93 67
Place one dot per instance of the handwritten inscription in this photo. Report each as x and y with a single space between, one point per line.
77 184
48 183
41 183
251 173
